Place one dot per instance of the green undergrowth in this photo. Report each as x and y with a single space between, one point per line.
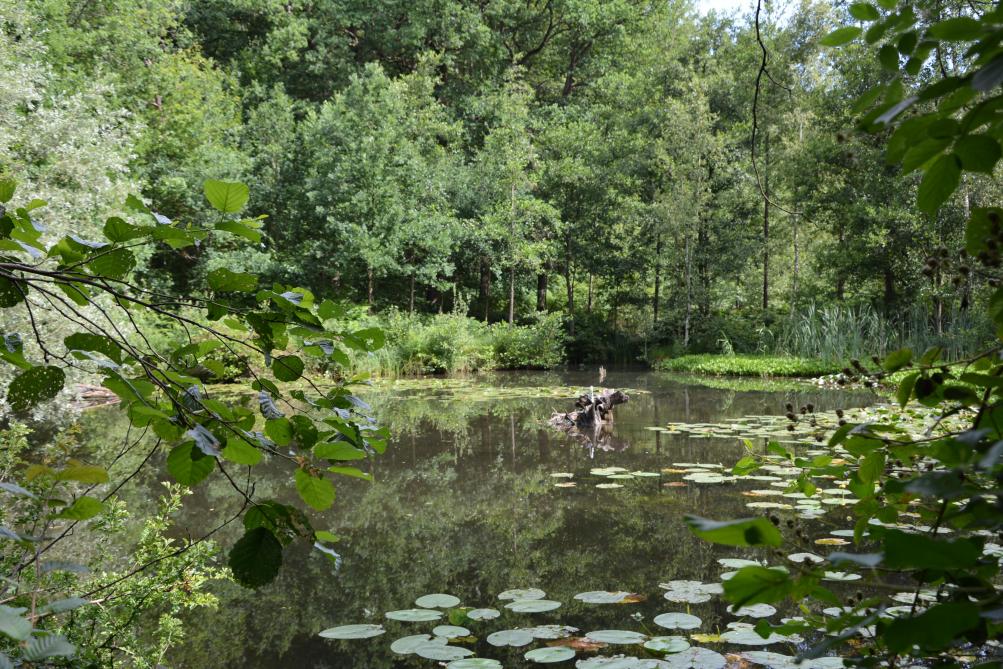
748 365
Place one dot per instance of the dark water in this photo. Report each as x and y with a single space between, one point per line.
464 503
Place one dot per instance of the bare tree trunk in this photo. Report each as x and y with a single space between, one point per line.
371 290
541 291
486 287
766 223
511 295
412 294
658 277
570 283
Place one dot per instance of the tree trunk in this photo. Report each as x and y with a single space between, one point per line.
658 277
588 306
569 282
412 295
369 293
541 291
511 295
687 265
766 224
486 287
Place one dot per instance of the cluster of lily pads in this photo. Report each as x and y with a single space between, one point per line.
610 476
447 642
472 390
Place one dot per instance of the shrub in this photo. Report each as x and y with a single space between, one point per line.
539 345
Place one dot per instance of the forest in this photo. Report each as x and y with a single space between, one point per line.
289 291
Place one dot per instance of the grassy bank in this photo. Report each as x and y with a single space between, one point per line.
747 365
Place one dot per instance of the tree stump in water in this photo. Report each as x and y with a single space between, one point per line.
591 410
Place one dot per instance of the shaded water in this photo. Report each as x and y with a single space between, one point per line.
464 503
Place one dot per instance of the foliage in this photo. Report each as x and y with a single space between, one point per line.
747 365
944 566
163 392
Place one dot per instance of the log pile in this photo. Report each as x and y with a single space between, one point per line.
591 410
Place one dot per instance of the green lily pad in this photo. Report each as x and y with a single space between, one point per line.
437 601
533 605
550 655
608 486
440 653
414 615
451 631
695 658
753 611
513 638
527 593
551 631
601 597
353 632
483 614
409 644
617 637
677 621
667 644
474 663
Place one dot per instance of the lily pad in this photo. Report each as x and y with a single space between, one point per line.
608 486
677 621
474 663
841 576
616 662
451 631
551 631
738 563
550 655
601 597
617 636
441 653
414 615
690 592
749 637
526 593
483 614
805 558
409 644
695 658
437 601
513 638
754 611
533 605
667 644
353 632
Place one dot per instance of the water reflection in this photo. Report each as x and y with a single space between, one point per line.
464 503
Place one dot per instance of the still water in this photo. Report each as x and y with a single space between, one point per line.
464 502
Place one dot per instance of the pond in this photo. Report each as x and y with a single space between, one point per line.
467 501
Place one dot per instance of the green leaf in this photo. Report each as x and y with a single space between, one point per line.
958 29
978 153
13 624
9 293
240 229
351 471
338 450
33 386
223 280
746 465
904 550
904 391
934 629
279 430
12 350
841 36
50 645
239 451
940 180
897 360
742 532
980 229
315 491
287 368
82 508
758 585
228 197
85 341
118 230
113 264
188 465
256 558
864 11
7 188
84 474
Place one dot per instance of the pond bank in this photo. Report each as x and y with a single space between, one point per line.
749 365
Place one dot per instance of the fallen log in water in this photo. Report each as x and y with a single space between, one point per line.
591 410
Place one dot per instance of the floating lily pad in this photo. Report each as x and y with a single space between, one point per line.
667 644
754 611
353 632
483 614
437 601
690 592
409 644
601 597
805 557
841 576
608 486
474 663
749 637
551 632
533 605
677 621
451 631
440 653
562 475
617 636
414 615
513 638
527 593
738 563
695 658
616 662
550 655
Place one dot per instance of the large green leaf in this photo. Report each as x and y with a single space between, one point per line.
188 465
114 264
287 367
841 36
905 550
13 623
742 532
49 645
940 180
83 508
10 295
224 280
316 491
228 197
755 585
932 630
33 386
256 558
978 153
